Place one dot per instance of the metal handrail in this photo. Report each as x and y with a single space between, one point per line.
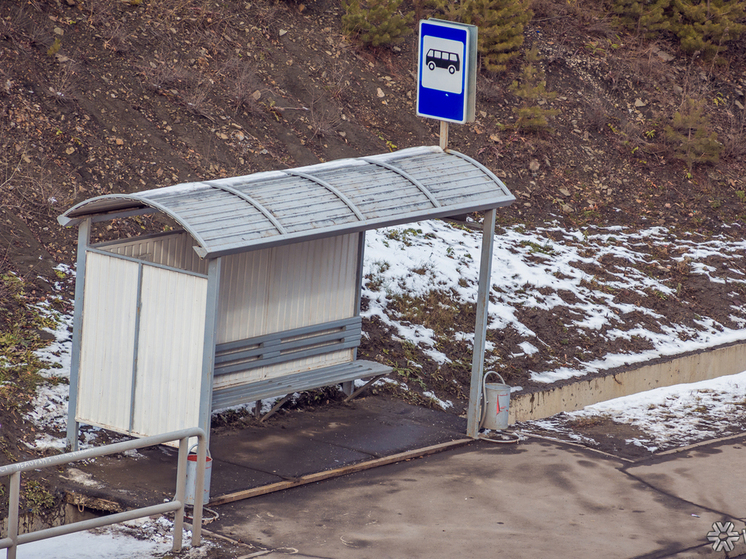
13 540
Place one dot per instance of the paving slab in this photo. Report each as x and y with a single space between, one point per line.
307 442
536 499
287 447
383 427
287 457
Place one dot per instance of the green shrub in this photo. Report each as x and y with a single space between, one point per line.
55 48
690 133
376 23
500 25
645 17
38 498
531 89
706 25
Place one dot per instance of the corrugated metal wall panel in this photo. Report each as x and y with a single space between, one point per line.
169 365
243 295
278 289
106 359
173 250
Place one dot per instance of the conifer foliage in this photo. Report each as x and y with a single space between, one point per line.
690 133
706 25
376 23
532 90
500 25
645 17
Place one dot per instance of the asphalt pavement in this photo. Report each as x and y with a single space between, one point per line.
479 499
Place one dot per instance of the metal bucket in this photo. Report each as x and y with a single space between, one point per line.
191 478
496 402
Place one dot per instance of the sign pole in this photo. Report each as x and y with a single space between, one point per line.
446 91
444 135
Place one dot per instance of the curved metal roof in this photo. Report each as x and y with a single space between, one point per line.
232 215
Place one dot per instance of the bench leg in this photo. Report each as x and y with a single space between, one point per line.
276 407
348 387
363 387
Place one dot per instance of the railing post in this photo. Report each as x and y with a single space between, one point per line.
15 495
180 493
199 492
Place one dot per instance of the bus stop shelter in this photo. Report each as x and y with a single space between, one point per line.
256 292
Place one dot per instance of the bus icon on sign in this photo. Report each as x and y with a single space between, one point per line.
443 59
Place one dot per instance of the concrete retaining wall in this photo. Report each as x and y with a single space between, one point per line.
728 360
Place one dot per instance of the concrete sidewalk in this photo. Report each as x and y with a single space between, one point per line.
539 498
535 499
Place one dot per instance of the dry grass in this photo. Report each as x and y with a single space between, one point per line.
64 83
588 421
323 121
242 83
490 90
267 16
162 75
595 115
337 79
117 39
733 137
101 12
197 100
29 184
644 64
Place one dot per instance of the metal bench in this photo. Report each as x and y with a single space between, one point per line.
290 345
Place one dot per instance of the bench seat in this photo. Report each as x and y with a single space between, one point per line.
297 382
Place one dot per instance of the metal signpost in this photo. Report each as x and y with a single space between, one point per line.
446 91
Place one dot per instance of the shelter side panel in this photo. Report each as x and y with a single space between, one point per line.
172 249
283 288
169 365
107 342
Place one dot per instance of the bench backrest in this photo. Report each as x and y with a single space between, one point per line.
281 347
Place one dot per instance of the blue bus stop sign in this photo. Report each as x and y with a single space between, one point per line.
446 73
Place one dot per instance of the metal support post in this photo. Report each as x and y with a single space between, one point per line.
349 387
214 268
84 235
480 327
